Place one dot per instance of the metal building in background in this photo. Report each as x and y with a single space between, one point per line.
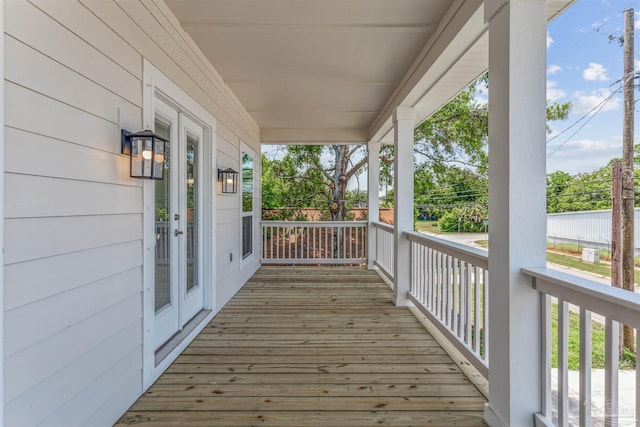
587 228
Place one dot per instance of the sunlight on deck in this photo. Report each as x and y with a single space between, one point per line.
311 347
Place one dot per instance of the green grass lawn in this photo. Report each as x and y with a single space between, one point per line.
483 243
576 250
431 226
575 262
628 360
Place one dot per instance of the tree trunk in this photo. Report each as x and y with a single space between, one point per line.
338 208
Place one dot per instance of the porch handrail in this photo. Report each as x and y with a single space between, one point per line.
617 307
385 247
314 242
470 254
449 285
382 226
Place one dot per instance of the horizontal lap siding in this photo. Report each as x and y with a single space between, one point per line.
73 246
73 217
229 222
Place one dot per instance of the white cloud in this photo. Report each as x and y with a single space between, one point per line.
583 155
553 69
595 72
590 145
637 21
549 40
587 101
553 93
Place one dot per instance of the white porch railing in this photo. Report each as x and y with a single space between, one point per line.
449 285
314 242
384 248
163 237
609 305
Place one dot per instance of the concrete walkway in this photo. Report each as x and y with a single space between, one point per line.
626 400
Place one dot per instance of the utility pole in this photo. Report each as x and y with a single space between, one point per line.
616 231
627 169
616 224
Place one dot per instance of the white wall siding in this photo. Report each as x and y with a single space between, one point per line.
46 277
58 390
73 217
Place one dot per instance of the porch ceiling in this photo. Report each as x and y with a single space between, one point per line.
332 70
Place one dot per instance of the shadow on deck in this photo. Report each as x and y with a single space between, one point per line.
311 347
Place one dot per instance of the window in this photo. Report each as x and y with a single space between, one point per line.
247 205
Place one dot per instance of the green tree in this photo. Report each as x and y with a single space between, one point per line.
435 195
452 142
286 189
313 176
557 183
456 135
584 191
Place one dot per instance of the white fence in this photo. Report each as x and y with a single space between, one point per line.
384 248
314 242
614 307
449 284
587 228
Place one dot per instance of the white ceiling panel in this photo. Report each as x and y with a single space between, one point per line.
321 70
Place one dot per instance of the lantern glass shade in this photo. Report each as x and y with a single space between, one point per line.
158 158
147 154
229 179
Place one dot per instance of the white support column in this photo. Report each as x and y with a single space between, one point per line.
2 203
404 121
517 204
373 204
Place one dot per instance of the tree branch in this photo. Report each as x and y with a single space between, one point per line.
356 167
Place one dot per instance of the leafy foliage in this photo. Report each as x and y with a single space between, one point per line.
450 166
312 176
584 191
464 218
456 135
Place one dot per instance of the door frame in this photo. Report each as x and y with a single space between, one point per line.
190 300
157 85
255 212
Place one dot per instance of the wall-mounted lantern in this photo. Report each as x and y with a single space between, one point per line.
229 179
146 151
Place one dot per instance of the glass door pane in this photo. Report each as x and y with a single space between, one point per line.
163 226
247 205
247 236
192 189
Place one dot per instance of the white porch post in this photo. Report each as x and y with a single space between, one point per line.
2 203
404 121
373 203
517 61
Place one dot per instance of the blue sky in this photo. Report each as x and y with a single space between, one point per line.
584 67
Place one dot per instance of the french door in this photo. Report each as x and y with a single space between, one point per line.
179 290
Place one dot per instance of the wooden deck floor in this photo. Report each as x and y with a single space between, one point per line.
311 347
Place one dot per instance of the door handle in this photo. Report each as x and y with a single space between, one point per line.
177 232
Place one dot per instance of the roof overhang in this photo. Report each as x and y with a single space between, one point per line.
333 71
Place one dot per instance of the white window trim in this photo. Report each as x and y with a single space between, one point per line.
256 207
157 84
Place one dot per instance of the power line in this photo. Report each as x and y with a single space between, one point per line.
587 114
601 105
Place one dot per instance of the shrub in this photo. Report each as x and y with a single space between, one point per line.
466 218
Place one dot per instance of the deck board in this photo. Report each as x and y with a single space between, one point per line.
311 347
